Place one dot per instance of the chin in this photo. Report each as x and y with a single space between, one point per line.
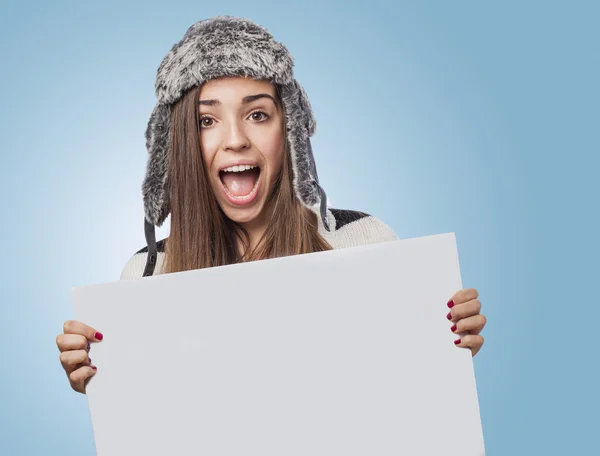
242 215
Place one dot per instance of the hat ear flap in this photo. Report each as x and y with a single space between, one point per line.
310 122
154 187
301 125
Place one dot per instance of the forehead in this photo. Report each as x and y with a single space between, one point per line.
235 86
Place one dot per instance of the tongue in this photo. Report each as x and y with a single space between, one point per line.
239 184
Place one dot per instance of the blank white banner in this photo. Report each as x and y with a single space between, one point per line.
339 353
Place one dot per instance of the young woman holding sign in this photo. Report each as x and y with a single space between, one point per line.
230 160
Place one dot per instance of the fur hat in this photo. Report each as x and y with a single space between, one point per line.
218 47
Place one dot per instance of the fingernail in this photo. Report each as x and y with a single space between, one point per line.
89 359
449 316
99 336
89 346
453 328
451 303
94 367
457 341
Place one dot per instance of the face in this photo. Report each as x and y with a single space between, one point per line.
243 142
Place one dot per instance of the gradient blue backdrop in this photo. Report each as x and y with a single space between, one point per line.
476 118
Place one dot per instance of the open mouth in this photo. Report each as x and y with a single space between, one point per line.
240 182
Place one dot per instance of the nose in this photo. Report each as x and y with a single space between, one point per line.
236 138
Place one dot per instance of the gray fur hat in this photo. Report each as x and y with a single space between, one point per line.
218 47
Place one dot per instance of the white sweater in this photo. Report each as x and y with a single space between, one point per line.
348 229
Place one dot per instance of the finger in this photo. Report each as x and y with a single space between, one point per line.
71 342
471 325
80 377
76 327
474 342
71 359
462 296
464 310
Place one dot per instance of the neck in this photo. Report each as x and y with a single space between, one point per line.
256 228
255 231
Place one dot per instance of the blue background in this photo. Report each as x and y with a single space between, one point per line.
468 117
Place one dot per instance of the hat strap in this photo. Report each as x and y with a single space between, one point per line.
323 206
152 248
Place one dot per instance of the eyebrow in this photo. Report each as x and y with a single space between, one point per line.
245 100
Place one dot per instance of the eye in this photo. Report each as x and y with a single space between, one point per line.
203 122
255 113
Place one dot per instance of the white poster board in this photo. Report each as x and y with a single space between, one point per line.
339 353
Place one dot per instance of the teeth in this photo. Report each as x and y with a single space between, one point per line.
238 168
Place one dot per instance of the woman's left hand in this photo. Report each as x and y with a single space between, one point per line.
465 313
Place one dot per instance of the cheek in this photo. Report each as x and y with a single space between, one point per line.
273 147
209 147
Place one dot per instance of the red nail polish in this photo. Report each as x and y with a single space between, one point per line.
99 336
89 359
453 328
457 341
449 316
451 303
94 367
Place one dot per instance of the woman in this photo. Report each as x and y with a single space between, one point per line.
230 160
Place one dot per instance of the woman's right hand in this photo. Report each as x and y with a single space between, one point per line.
74 346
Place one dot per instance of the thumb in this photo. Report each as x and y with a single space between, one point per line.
77 327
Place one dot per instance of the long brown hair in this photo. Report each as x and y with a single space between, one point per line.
201 234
